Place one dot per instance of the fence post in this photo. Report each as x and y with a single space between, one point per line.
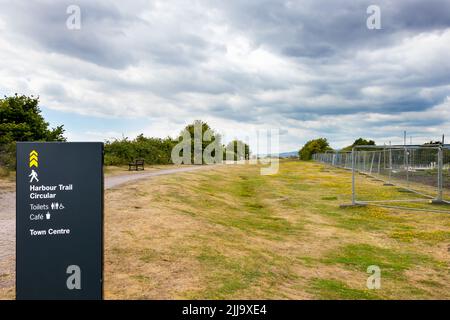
390 165
440 177
379 162
353 177
407 165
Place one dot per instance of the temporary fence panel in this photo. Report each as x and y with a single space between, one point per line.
396 174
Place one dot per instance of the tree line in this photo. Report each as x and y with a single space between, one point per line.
158 151
322 145
21 120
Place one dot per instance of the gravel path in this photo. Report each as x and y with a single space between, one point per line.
111 182
8 213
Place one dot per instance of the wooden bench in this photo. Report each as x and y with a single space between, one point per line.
138 164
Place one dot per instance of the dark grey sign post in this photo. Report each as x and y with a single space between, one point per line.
59 220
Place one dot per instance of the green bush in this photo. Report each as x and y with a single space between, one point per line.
314 146
21 120
360 142
152 150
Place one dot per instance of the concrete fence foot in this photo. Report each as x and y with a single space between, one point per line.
439 201
350 205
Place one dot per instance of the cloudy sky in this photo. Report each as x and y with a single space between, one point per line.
309 68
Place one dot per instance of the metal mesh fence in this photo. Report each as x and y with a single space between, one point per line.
337 159
413 173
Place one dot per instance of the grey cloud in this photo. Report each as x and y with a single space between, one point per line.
98 40
311 51
136 55
333 24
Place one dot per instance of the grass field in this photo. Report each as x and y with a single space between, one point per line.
232 233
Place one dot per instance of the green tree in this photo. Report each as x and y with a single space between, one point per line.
239 149
21 120
359 142
201 128
314 146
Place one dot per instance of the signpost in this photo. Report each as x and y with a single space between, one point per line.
59 220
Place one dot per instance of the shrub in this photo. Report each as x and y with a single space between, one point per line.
314 146
152 150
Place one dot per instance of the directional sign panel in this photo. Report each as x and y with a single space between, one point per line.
59 220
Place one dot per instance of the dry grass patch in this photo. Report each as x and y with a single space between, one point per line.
232 233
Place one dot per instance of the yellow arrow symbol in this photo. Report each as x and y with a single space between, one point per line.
34 159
